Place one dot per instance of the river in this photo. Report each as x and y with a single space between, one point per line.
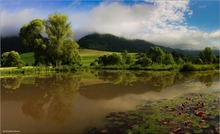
72 102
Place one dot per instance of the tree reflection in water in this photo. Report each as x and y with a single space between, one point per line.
156 81
53 98
11 83
208 79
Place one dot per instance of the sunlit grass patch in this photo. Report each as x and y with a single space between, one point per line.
28 58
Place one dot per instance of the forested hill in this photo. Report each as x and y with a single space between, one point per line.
96 41
12 43
109 42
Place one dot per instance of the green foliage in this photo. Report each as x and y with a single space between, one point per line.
216 60
179 61
168 59
207 55
113 59
66 68
108 42
197 61
144 61
127 58
27 70
205 67
51 40
188 67
11 59
156 54
123 58
193 67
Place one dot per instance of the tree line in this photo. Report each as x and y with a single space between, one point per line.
155 56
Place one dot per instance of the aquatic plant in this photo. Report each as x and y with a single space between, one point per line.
192 113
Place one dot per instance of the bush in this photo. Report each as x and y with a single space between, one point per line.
127 58
179 61
67 68
113 59
168 59
206 67
11 59
144 61
197 61
136 67
20 64
188 67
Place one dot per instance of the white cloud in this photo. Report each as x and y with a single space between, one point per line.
12 22
115 18
162 22
215 34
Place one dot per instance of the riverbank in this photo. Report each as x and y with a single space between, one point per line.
74 68
191 113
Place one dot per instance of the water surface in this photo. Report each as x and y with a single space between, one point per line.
71 102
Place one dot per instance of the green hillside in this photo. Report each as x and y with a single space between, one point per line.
103 42
12 43
109 42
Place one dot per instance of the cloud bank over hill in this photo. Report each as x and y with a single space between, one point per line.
161 22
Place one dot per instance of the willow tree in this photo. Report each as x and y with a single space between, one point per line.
51 40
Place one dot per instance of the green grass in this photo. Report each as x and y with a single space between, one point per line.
87 60
88 56
90 52
26 70
28 58
193 67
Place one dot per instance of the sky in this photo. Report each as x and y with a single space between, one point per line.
183 24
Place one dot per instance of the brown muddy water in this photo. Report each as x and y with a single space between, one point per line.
72 102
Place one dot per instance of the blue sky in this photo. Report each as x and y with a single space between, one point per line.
205 15
185 24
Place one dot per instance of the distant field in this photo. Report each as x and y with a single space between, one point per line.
28 58
90 52
88 56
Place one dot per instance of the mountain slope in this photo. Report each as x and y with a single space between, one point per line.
108 42
104 42
12 43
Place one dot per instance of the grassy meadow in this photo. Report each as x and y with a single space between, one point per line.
88 56
28 58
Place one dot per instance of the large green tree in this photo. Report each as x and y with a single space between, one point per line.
10 59
168 59
127 58
156 54
207 55
51 40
